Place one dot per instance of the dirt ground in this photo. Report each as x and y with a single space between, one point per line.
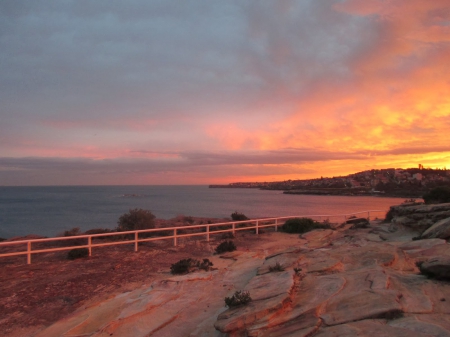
34 296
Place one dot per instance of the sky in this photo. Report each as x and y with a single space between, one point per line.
111 92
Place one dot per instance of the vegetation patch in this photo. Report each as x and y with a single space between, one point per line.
302 225
136 219
239 298
275 268
186 266
77 253
98 231
236 216
437 195
226 246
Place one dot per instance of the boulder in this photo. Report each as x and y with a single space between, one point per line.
440 230
437 267
361 223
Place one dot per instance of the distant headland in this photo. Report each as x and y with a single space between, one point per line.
392 182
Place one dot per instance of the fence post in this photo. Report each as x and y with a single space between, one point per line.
234 229
90 245
136 241
29 252
276 225
207 233
175 237
257 227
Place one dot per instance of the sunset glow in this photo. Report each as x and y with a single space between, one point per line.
163 93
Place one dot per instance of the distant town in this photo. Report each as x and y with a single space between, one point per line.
392 182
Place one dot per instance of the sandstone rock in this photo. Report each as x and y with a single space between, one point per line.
270 285
317 234
421 245
358 223
413 299
417 326
240 318
440 229
286 260
437 267
361 305
306 301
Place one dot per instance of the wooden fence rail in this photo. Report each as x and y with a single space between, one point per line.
255 224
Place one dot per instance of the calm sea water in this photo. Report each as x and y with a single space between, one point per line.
50 210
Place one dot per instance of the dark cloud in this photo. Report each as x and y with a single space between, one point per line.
195 83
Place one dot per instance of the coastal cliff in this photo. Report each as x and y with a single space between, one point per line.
355 279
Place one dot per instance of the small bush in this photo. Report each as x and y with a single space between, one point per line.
188 219
437 195
301 225
236 216
75 242
77 253
226 246
183 266
98 231
189 265
205 265
72 232
276 267
136 219
2 239
239 298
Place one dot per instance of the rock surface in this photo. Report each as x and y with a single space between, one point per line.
344 282
440 229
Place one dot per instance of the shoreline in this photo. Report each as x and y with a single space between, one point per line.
352 192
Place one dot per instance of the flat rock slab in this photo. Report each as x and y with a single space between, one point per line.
428 327
285 260
241 318
420 245
413 297
270 285
307 300
361 305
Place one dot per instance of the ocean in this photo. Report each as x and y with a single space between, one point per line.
49 211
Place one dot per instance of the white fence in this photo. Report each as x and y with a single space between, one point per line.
204 230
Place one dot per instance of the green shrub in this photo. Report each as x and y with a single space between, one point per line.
188 219
75 242
98 231
136 219
301 225
239 298
205 265
276 267
437 195
77 253
236 216
189 265
72 232
226 246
